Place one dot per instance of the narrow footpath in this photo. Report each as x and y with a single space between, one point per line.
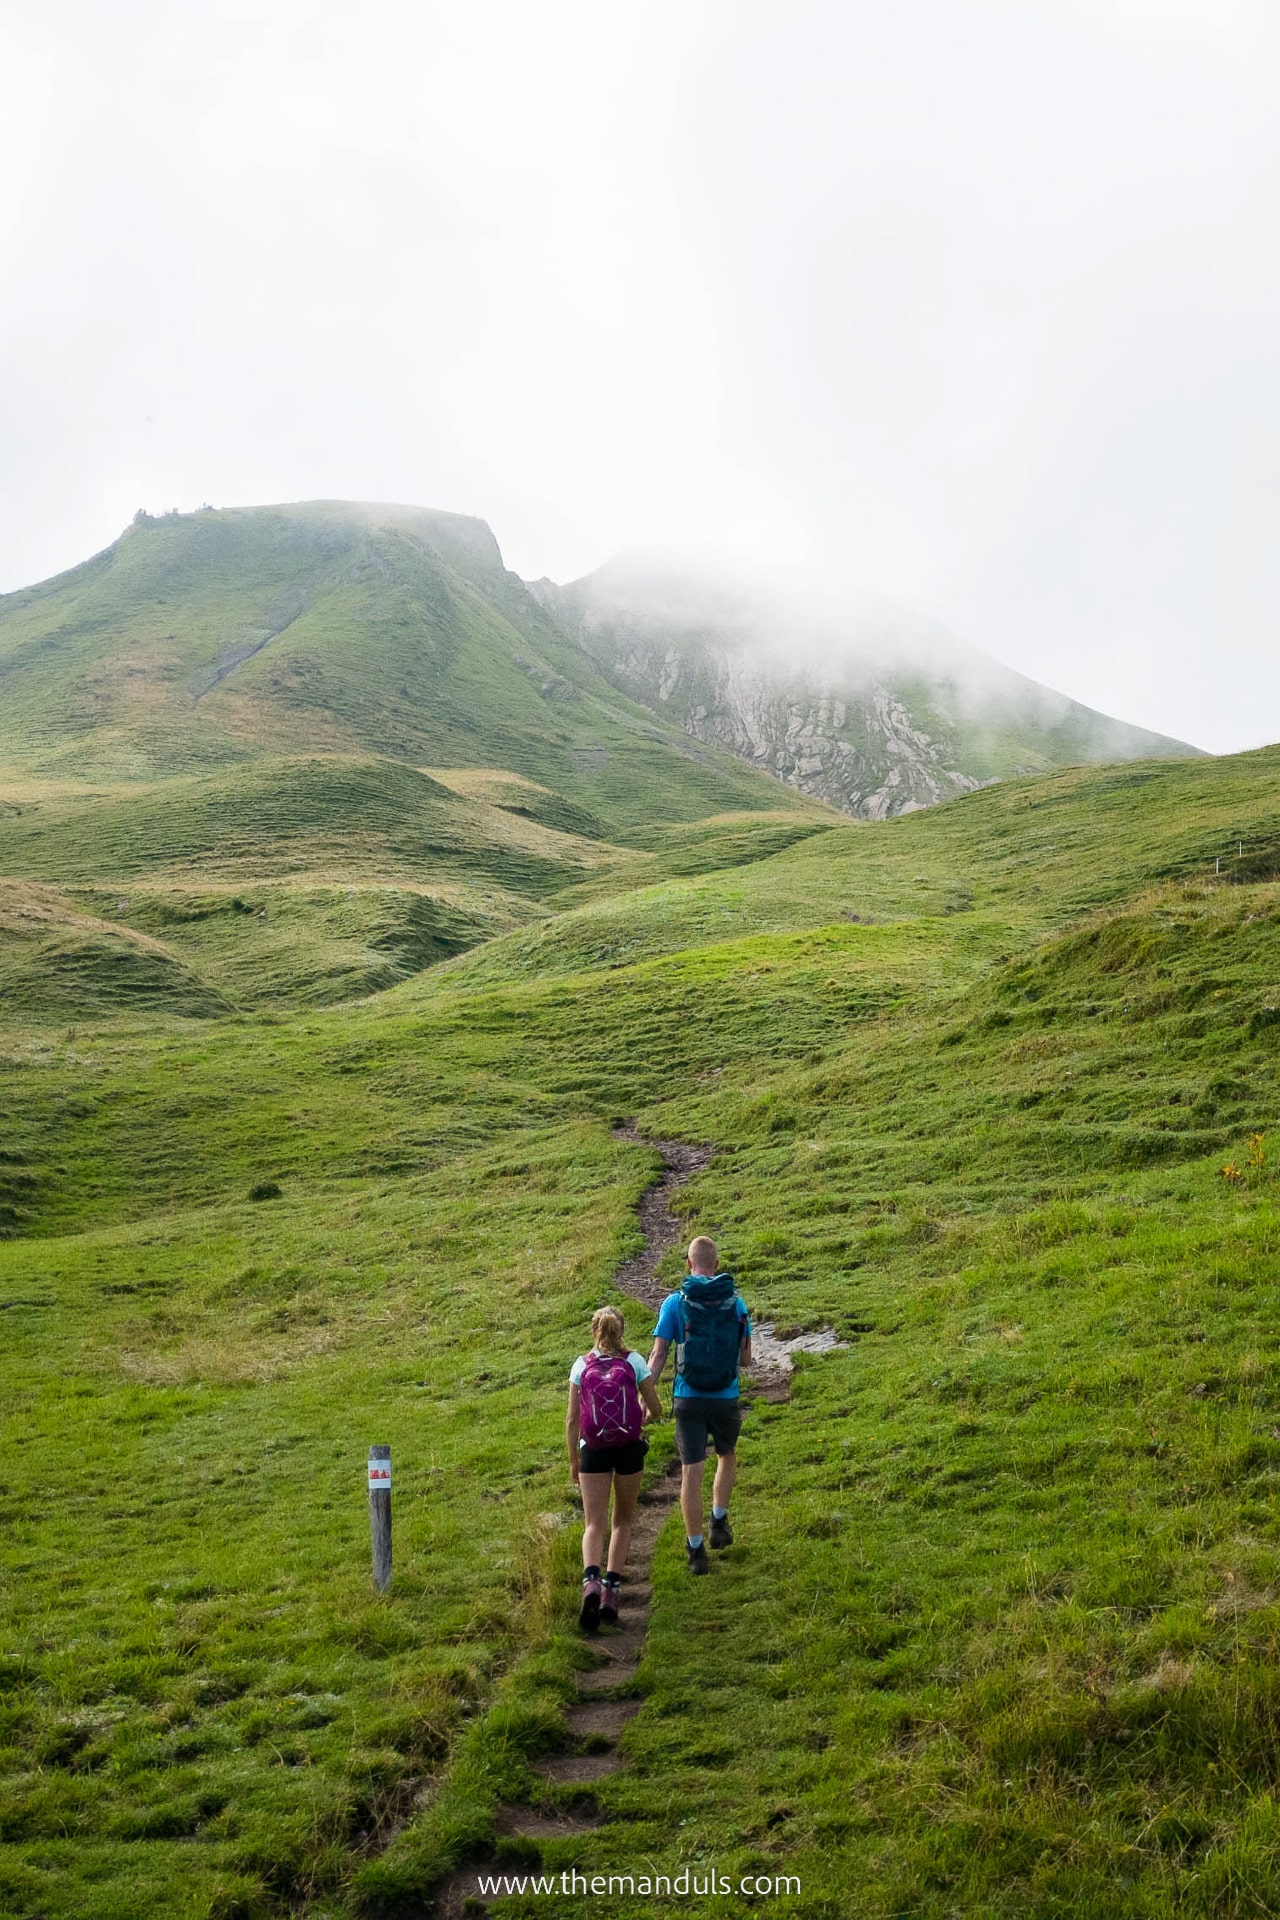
606 1693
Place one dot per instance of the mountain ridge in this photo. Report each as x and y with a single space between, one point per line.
206 640
200 642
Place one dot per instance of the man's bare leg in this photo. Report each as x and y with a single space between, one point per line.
691 1498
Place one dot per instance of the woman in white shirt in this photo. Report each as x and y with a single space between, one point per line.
611 1398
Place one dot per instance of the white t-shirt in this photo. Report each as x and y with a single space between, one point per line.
639 1366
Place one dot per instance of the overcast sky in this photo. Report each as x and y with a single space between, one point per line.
975 302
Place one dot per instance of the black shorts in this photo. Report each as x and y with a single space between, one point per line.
628 1459
696 1417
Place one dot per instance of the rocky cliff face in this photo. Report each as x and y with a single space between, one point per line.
894 718
860 748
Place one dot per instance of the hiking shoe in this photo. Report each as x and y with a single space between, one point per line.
721 1532
609 1604
697 1557
589 1611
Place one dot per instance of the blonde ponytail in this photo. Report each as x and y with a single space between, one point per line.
606 1331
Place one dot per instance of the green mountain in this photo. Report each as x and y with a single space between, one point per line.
311 749
851 703
306 751
201 642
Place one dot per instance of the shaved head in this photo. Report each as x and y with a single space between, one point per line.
702 1255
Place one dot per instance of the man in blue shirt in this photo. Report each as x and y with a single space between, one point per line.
703 1410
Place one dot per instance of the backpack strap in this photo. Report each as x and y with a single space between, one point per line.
682 1302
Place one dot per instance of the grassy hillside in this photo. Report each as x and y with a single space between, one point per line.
321 879
204 1708
1029 1516
1002 865
340 924
200 642
58 961
998 1633
315 749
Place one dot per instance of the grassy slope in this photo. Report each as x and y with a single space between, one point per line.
59 962
1015 726
1029 1516
1003 864
1039 1559
239 700
283 816
358 630
202 1707
317 880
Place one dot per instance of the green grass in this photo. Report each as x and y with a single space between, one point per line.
310 881
1029 1518
59 962
210 1712
291 816
1000 1630
119 1120
290 945
1002 865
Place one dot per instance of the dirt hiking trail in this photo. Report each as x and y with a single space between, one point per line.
606 1697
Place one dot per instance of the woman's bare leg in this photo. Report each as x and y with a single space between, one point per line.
626 1497
595 1510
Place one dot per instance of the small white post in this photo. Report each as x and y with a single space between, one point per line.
380 1515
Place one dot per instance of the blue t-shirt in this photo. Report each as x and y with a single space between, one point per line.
668 1328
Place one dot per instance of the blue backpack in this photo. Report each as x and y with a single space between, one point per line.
710 1333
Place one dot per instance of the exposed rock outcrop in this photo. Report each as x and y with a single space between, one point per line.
862 707
861 751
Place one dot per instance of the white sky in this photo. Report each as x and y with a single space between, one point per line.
975 302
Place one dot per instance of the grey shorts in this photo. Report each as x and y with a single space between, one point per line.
696 1418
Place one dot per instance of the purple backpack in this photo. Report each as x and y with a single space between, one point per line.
609 1412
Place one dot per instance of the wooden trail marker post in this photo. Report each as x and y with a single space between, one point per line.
380 1515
